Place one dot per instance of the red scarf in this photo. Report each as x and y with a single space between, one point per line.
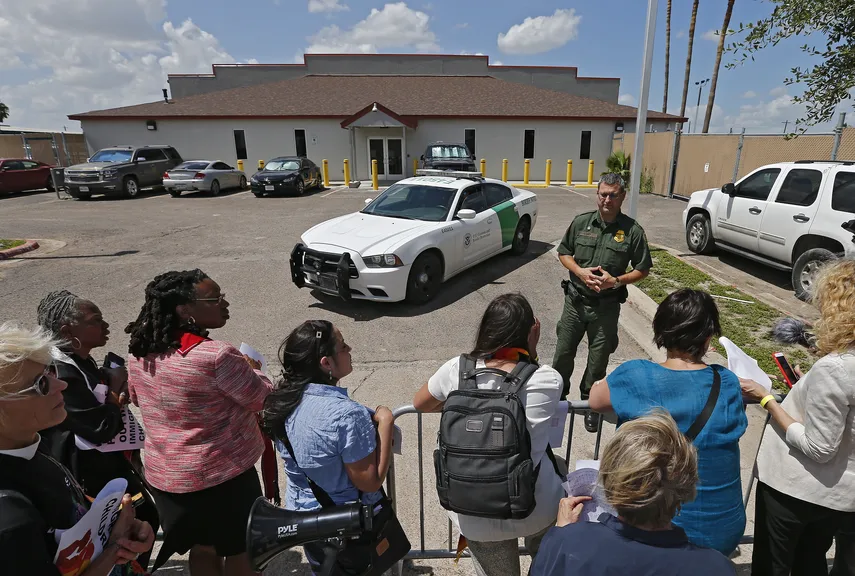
511 354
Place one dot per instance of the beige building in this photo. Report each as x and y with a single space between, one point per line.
383 107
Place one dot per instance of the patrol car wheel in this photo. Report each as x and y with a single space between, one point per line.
699 237
425 278
521 237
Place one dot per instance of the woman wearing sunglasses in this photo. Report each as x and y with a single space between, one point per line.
38 495
93 399
198 398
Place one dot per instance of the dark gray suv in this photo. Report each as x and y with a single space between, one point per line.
448 156
121 170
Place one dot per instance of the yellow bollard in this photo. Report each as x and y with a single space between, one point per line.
526 170
346 172
261 164
415 166
590 172
374 182
548 172
569 172
326 168
483 168
240 165
505 170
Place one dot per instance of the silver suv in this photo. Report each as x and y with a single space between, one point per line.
121 170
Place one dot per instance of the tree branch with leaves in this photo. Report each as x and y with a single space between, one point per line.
4 112
827 83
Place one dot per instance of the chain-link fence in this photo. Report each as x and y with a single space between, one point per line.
676 164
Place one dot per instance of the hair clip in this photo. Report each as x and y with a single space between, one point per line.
319 334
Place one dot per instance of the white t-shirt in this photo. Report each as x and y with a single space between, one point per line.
540 397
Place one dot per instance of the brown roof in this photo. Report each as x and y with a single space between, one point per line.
408 96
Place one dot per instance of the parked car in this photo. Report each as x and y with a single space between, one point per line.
121 170
203 175
448 156
415 235
20 174
788 216
286 174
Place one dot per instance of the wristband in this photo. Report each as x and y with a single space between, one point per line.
765 400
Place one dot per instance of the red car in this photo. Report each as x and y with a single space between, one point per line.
19 174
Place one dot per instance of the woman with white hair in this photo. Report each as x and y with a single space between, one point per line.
38 495
648 471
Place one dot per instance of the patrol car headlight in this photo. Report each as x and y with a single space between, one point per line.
382 261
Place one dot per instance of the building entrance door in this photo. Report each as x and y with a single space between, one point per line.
389 153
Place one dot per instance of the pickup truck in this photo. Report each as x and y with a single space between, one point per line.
793 216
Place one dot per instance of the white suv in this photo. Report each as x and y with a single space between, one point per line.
791 216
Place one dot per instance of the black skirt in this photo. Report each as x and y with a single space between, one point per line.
215 516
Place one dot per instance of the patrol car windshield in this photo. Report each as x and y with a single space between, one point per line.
112 156
448 151
413 202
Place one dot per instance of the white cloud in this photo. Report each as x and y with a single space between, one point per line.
81 56
627 100
681 34
326 6
467 53
497 63
711 35
778 91
394 26
462 25
540 34
750 94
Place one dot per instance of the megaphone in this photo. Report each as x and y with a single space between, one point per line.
271 530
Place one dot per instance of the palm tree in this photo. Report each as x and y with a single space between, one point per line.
667 56
721 36
4 111
618 163
689 57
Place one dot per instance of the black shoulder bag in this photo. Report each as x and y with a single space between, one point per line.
385 544
705 414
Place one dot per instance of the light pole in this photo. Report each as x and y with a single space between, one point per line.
700 85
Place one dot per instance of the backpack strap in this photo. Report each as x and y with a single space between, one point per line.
320 494
705 414
521 374
467 373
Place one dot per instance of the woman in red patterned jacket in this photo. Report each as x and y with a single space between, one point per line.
199 398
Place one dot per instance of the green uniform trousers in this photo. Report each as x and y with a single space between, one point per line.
600 323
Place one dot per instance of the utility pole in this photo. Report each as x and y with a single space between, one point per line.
700 85
785 123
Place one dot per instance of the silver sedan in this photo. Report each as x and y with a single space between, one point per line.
203 175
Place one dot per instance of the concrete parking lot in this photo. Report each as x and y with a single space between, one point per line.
107 250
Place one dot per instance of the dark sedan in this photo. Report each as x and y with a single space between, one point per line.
286 174
19 174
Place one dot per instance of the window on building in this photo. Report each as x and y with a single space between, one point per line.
470 139
843 195
240 145
300 141
585 146
528 145
800 187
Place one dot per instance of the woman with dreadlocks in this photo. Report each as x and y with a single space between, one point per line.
93 400
199 398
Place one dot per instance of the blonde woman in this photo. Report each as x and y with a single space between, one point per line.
648 471
806 464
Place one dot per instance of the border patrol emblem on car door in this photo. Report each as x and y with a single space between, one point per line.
467 240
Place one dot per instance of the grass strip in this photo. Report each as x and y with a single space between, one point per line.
6 244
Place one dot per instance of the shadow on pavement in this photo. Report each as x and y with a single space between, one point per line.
198 194
468 281
9 195
773 276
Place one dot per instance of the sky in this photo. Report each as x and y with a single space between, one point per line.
59 57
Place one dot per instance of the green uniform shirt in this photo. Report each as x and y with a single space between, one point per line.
614 246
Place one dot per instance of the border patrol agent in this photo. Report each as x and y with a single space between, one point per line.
597 249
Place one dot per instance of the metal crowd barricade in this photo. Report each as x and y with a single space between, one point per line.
421 553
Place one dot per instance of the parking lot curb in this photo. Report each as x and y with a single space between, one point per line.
28 246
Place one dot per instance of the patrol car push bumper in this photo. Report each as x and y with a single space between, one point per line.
313 269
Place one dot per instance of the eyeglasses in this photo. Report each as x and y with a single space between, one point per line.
40 387
219 299
609 196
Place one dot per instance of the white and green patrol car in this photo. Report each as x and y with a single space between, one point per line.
418 233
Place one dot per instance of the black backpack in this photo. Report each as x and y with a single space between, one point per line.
483 460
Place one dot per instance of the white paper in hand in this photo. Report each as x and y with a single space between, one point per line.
248 350
583 482
397 436
744 365
84 542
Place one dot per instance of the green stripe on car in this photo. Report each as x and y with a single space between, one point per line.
508 219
